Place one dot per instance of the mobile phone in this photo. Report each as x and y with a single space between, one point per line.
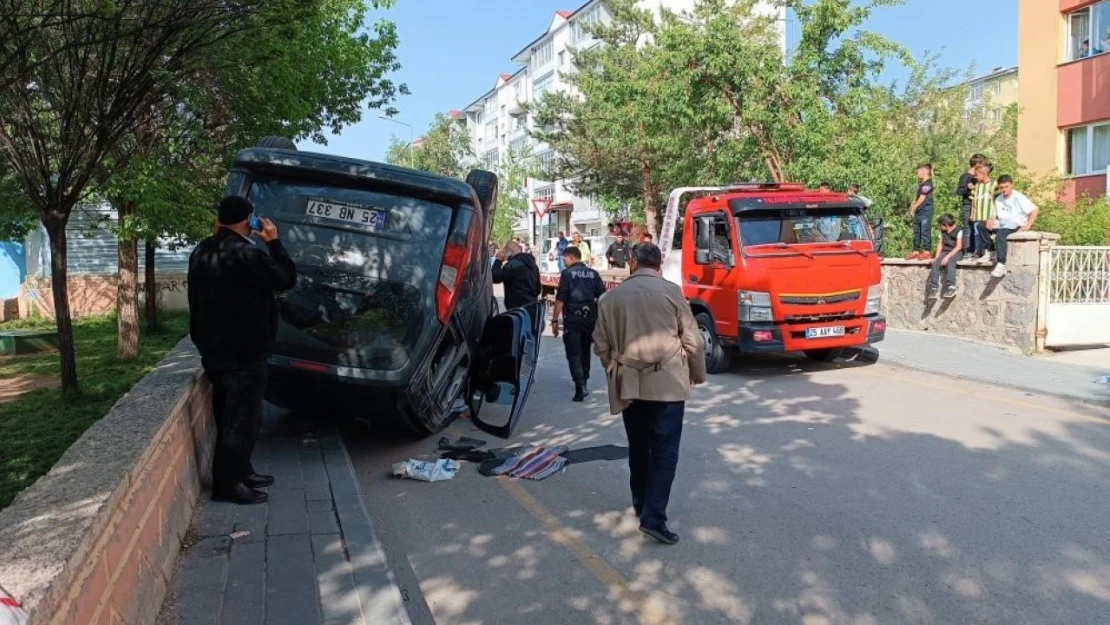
255 223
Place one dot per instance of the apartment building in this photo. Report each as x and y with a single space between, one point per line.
1064 55
989 96
498 123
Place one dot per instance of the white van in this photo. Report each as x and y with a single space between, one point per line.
549 262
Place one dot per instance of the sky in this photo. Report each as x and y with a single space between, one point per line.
452 51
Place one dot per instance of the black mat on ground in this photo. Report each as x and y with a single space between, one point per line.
601 452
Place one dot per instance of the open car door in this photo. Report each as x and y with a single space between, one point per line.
505 368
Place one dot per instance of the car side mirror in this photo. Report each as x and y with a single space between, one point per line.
701 257
702 236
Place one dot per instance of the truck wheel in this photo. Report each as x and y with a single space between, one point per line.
485 186
716 356
824 355
277 143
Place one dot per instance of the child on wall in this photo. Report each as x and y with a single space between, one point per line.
982 207
950 248
965 190
921 213
1015 213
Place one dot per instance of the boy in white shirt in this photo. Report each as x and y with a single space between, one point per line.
1013 213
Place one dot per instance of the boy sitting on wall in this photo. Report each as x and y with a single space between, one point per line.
950 246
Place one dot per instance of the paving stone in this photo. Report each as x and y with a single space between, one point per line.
287 517
322 522
246 577
215 519
205 565
339 601
252 519
291 594
319 504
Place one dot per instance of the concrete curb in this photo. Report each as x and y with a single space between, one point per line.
93 542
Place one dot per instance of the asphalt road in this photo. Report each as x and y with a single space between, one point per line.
806 494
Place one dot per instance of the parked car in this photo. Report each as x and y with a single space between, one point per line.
393 311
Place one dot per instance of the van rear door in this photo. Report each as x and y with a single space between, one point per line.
505 368
367 261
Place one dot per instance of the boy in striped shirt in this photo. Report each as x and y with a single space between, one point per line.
982 210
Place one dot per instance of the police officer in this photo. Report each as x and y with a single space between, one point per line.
576 301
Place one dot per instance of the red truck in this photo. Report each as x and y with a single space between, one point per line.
772 268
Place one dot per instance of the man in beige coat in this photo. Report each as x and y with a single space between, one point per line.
653 353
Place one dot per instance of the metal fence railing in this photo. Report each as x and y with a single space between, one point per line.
1079 275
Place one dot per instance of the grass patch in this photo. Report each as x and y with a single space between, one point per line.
37 428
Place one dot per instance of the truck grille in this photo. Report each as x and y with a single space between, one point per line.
826 318
818 300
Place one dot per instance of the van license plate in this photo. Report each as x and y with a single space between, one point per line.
824 333
346 213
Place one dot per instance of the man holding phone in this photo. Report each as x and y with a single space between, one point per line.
233 320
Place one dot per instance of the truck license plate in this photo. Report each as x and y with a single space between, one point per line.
824 333
346 213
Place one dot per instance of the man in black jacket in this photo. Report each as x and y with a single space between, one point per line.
618 252
519 273
233 322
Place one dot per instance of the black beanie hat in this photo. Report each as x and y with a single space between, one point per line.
234 209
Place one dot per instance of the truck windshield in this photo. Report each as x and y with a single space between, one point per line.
823 225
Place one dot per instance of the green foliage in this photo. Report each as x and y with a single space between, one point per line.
444 149
1084 221
512 202
40 425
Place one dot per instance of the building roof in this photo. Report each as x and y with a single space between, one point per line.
995 73
561 17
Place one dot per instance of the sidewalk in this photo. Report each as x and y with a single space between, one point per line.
945 355
308 557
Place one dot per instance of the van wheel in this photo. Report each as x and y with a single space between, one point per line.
277 143
484 184
717 358
824 355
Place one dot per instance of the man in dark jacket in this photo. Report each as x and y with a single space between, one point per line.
618 252
233 322
519 273
576 302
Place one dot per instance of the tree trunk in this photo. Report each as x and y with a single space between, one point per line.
127 298
650 198
151 289
59 275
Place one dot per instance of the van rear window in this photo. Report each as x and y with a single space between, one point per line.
825 225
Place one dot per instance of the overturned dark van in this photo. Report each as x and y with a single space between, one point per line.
393 312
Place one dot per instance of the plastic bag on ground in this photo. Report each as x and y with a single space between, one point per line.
426 471
11 613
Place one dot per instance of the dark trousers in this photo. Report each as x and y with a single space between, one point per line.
1002 244
654 431
577 339
949 271
923 232
983 241
237 390
969 231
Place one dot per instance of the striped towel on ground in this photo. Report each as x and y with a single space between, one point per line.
534 463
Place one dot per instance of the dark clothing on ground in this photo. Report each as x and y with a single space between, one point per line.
654 432
233 322
1002 243
237 390
521 277
233 315
618 254
923 231
579 289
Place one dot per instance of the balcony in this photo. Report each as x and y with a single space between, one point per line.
1083 94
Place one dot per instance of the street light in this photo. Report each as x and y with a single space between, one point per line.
412 161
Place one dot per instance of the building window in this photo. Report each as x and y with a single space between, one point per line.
542 54
545 163
1088 149
996 115
1089 31
976 92
491 107
478 117
491 130
562 58
996 88
545 193
543 85
582 22
518 146
491 159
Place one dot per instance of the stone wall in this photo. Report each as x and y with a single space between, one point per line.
94 541
96 294
995 310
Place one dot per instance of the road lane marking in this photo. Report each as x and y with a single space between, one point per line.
649 614
989 396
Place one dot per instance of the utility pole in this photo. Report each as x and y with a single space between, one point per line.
412 160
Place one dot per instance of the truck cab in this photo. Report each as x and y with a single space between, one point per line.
774 268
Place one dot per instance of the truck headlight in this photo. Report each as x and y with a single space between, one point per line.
755 306
874 300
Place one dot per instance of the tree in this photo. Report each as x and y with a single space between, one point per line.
444 149
69 108
290 73
513 173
